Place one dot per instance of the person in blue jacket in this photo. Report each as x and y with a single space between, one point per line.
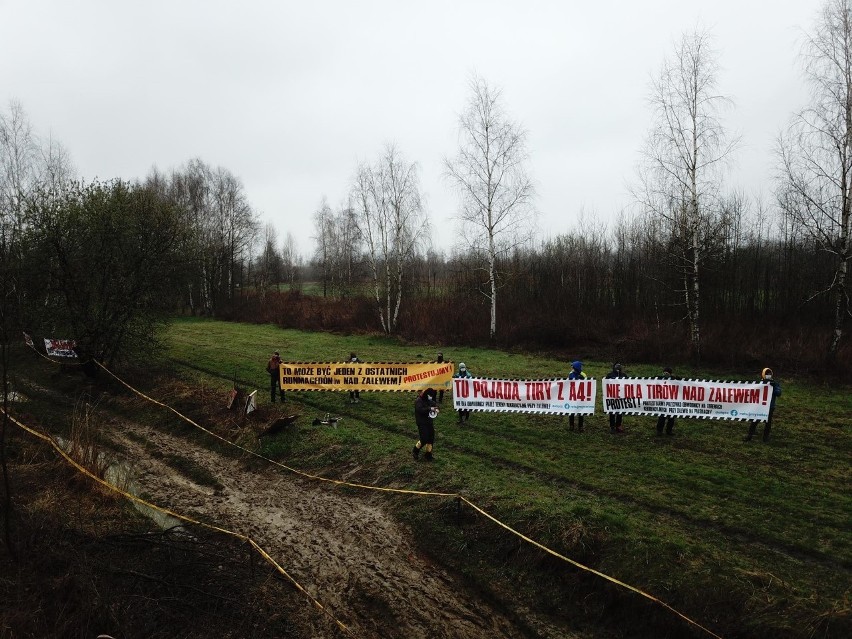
576 373
766 378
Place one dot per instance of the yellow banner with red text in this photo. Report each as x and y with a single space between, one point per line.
365 376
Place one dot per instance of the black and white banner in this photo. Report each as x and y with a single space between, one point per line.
687 398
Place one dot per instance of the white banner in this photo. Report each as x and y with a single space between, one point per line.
687 398
549 396
60 347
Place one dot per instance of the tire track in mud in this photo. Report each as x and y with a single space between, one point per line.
358 562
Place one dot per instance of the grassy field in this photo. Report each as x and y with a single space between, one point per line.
750 539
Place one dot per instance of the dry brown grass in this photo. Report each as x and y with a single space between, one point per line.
82 444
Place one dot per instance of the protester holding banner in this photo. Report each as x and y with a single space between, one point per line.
576 373
354 396
615 419
766 378
425 412
666 421
273 367
440 360
463 373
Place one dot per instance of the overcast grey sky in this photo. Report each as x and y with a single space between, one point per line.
291 96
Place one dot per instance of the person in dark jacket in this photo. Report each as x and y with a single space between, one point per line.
576 373
616 419
463 373
354 396
667 421
766 378
440 360
425 412
272 367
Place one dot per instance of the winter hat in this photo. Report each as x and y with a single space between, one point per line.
578 365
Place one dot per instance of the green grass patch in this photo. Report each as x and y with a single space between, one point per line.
750 538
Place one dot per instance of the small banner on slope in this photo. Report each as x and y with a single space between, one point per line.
60 347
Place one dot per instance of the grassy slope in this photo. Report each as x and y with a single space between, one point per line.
751 539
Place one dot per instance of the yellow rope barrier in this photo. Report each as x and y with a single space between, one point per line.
176 515
587 569
485 514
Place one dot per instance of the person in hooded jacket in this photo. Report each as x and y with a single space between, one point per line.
576 373
463 373
766 378
616 419
425 412
666 421
272 367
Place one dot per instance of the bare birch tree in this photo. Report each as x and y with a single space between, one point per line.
18 151
18 163
684 158
290 259
391 223
324 229
496 194
267 270
815 153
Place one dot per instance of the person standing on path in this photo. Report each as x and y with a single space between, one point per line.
273 367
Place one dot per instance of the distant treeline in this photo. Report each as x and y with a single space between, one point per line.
595 293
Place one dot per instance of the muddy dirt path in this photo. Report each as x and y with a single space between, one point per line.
358 562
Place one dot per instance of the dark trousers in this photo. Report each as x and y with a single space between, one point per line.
579 422
464 415
667 421
767 426
275 385
615 420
